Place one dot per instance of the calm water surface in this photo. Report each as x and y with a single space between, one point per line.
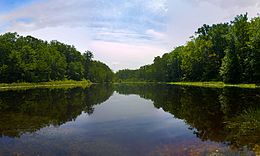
130 120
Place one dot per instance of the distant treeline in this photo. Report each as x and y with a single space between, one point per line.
228 52
28 59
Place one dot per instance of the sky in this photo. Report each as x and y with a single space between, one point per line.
121 33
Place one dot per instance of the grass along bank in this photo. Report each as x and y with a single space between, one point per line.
214 84
51 84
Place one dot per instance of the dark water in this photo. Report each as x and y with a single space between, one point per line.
130 120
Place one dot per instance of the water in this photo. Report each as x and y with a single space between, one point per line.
130 120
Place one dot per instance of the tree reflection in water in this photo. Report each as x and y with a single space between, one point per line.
229 115
28 111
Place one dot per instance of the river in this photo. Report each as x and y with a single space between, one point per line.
130 119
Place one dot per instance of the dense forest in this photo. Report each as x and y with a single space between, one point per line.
228 52
28 59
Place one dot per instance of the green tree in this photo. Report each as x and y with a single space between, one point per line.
230 69
240 32
253 60
99 72
87 57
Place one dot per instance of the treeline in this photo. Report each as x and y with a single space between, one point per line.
228 52
28 59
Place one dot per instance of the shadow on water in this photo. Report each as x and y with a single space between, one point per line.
28 111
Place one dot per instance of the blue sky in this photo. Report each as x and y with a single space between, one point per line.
9 5
121 33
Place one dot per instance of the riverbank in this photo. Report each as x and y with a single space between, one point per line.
214 84
197 84
51 84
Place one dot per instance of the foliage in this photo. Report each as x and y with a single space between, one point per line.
99 72
28 59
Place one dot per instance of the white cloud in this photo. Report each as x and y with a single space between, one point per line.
186 16
125 55
160 6
156 34
230 3
90 13
78 37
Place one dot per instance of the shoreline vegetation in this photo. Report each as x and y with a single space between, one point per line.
211 84
86 83
214 84
52 84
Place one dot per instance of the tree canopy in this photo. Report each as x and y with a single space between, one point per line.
28 59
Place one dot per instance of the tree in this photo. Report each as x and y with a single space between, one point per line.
239 31
99 72
253 60
87 57
230 69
